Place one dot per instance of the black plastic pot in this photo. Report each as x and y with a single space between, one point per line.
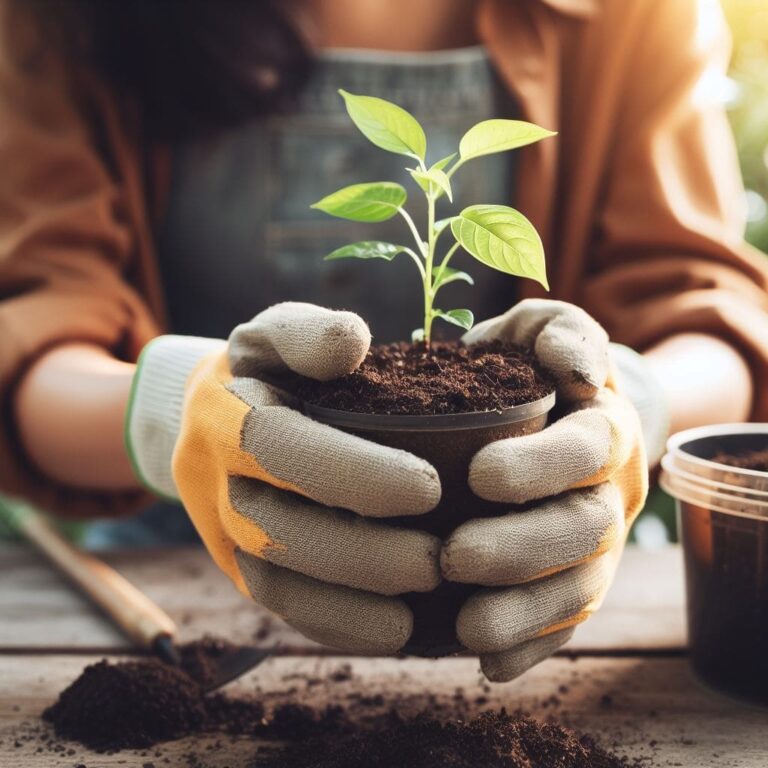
448 443
723 523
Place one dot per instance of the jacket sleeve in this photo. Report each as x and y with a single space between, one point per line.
668 255
66 244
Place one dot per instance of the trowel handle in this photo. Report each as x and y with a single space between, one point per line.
140 619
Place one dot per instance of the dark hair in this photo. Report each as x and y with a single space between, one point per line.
194 66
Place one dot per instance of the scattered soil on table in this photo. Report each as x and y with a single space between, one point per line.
491 740
138 704
757 460
407 379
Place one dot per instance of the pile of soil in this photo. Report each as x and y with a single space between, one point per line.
408 379
491 740
138 704
757 460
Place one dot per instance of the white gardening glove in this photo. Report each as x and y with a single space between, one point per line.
547 565
286 505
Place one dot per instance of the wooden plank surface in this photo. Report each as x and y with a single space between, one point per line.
646 707
643 611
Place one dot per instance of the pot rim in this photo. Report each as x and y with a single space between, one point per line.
689 493
388 422
669 463
676 442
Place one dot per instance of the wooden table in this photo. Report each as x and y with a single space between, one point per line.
624 677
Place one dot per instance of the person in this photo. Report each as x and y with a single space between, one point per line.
159 160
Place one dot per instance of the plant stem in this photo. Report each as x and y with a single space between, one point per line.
444 264
416 261
428 295
415 232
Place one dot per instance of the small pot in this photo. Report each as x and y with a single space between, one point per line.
723 523
448 443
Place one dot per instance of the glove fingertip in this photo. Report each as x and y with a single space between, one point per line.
491 476
340 348
312 341
507 665
574 349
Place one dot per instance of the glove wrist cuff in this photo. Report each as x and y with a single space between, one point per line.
153 417
638 382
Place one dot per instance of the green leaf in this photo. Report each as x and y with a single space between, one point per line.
497 135
441 224
461 317
376 201
451 275
502 238
386 125
440 164
367 249
433 180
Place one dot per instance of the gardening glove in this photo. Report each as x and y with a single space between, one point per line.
285 505
547 565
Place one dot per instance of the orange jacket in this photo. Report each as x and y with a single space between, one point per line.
638 200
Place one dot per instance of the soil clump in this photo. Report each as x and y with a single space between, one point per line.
408 379
136 704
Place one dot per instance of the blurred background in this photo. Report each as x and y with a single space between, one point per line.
747 98
745 94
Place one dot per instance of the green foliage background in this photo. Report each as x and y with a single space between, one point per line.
748 20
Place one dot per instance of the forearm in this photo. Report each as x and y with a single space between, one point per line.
69 409
704 379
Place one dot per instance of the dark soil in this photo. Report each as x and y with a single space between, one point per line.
138 704
757 460
132 704
199 659
491 740
407 379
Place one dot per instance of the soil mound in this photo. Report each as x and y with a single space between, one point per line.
407 379
491 740
136 704
139 704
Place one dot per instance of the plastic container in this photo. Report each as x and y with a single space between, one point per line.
723 523
448 443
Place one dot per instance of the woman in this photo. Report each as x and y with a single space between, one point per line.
159 160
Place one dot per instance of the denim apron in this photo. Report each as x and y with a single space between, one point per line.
239 234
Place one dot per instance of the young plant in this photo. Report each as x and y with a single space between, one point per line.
496 235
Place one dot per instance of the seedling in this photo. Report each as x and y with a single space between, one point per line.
496 235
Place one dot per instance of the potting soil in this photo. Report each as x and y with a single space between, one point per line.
408 379
491 740
138 704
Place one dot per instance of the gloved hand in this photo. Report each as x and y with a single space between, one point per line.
583 479
285 505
